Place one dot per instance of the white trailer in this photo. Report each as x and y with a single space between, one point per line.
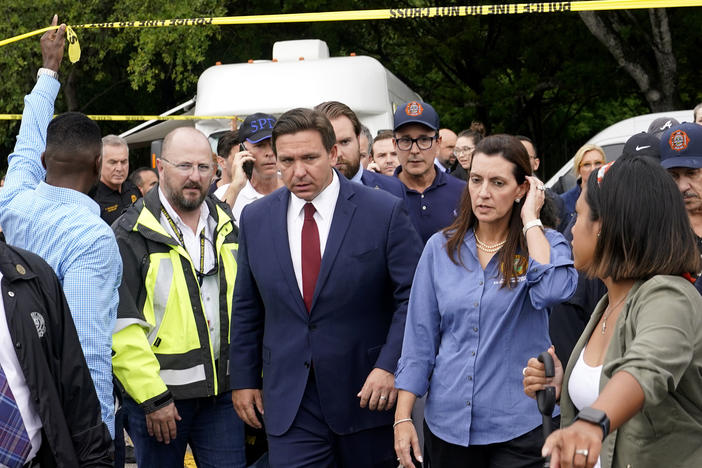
300 74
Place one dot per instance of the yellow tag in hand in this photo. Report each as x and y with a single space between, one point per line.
73 45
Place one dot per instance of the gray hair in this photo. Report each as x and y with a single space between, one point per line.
366 132
114 140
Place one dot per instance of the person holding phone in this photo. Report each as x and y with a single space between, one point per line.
258 162
479 300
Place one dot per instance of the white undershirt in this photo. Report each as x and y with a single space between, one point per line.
584 385
209 290
324 204
247 195
18 385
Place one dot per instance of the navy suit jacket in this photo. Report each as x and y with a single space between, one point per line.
381 181
357 318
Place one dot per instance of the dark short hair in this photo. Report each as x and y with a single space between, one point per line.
336 109
645 229
382 135
136 177
511 149
529 140
226 142
301 119
72 132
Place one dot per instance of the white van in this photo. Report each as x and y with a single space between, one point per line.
612 139
301 74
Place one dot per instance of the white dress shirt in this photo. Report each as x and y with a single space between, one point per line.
324 204
209 289
18 385
247 195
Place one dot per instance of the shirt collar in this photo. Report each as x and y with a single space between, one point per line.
439 165
357 178
438 181
324 202
66 195
204 213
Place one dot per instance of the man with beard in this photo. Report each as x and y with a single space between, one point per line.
347 129
171 341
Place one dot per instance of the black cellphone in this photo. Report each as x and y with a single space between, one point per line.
248 165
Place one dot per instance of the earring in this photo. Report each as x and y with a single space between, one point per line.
598 234
517 200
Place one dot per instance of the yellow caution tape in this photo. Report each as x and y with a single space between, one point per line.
141 117
385 14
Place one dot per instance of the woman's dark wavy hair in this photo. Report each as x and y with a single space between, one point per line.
645 230
511 149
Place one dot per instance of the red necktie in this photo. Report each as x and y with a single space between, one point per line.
311 257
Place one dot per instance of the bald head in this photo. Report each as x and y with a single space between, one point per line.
448 143
183 135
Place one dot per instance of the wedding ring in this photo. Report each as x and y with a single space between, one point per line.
383 397
582 452
524 372
540 187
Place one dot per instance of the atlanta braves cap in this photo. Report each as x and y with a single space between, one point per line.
660 125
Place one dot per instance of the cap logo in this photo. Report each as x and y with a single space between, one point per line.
667 125
678 140
414 109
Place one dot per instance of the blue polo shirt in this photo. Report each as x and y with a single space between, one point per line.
437 206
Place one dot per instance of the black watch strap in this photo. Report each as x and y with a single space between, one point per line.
594 416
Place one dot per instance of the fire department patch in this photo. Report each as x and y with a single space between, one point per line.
414 109
678 140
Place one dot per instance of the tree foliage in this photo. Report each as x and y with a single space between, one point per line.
545 76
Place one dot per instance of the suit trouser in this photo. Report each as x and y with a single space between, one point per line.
311 443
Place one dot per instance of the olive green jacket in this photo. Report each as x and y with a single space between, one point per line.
658 340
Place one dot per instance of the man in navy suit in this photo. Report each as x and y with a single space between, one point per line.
347 129
324 273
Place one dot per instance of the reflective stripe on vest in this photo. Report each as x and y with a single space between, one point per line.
183 376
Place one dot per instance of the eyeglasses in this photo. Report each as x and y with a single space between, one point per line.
423 142
187 168
457 151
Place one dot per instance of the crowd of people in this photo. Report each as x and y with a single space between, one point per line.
345 300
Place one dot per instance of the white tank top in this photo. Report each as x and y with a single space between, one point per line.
584 385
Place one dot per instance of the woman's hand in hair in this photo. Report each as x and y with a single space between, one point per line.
534 201
535 376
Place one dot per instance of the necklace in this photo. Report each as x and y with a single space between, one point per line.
488 248
607 314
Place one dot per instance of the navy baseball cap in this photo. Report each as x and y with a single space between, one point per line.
642 144
416 112
681 146
256 127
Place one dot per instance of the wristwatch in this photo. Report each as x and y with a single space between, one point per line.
47 71
594 416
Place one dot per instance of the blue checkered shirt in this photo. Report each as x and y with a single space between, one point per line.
63 227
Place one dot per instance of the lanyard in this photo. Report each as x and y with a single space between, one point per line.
200 274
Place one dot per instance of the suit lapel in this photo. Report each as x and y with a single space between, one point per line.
282 247
343 212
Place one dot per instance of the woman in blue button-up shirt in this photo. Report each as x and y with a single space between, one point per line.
479 302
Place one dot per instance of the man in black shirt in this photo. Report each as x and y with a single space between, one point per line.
114 193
